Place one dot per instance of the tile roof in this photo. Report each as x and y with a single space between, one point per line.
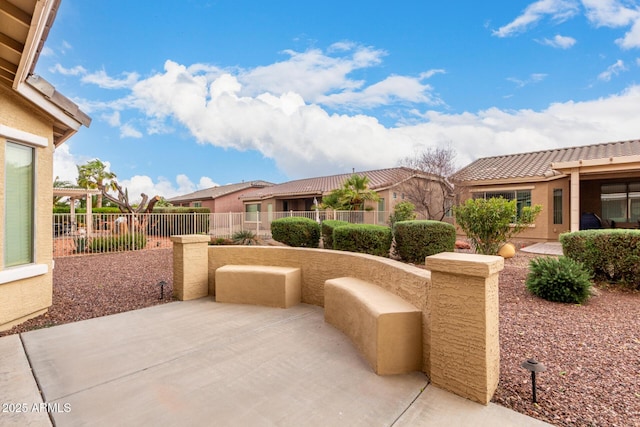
214 192
538 164
379 179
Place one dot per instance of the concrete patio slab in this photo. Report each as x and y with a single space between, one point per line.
206 363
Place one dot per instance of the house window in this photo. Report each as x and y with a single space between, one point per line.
522 197
557 205
19 205
197 204
381 212
252 212
621 202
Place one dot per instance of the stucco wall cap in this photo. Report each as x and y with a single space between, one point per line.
190 238
465 264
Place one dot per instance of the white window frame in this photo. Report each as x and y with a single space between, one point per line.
25 271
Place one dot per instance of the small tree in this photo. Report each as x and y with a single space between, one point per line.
432 197
490 223
403 211
94 174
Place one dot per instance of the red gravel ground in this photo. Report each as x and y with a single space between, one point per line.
592 351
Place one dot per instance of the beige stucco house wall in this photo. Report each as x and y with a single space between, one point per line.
33 115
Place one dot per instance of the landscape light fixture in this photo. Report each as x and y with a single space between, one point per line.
533 366
161 284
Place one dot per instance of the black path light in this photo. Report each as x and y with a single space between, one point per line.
533 366
161 284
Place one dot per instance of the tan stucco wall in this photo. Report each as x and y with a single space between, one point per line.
318 265
26 298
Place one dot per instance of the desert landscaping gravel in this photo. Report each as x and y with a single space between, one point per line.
591 351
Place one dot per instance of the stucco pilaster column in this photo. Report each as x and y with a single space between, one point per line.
465 344
190 266
575 199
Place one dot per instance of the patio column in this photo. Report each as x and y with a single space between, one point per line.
575 199
190 266
89 215
465 347
72 214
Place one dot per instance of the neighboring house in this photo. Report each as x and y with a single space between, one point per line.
34 119
221 199
574 185
302 195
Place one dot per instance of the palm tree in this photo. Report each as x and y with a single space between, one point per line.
355 192
94 174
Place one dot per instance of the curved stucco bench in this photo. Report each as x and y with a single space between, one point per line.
384 327
259 285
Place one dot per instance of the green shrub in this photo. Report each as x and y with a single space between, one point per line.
489 223
296 232
559 279
244 237
416 240
403 211
363 238
327 231
116 243
610 255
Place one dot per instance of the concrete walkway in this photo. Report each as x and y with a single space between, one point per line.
546 248
205 363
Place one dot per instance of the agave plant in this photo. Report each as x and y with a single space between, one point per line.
244 237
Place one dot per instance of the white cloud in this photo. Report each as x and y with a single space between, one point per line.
533 78
615 14
559 42
73 71
101 79
64 163
558 10
612 70
128 131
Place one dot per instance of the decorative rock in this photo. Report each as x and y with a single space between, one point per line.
508 250
462 245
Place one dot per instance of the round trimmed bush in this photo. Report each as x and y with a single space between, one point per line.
559 279
416 240
299 232
363 238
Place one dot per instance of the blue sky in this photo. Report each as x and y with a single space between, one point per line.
189 94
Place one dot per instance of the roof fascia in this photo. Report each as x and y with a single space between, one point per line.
609 164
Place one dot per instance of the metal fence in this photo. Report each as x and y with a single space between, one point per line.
101 232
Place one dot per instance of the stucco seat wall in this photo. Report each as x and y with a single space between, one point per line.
258 285
384 327
410 283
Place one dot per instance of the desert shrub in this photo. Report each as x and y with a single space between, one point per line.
416 240
559 279
611 255
327 231
296 232
217 241
403 211
363 238
116 243
489 223
244 237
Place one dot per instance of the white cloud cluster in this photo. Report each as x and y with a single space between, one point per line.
601 13
557 10
559 42
612 70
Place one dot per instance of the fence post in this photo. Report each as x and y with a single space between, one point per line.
190 266
465 347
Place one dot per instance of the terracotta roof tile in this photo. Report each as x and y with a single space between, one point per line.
536 164
379 179
214 192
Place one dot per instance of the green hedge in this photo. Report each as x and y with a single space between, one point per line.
327 231
296 231
416 240
116 243
610 255
363 238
